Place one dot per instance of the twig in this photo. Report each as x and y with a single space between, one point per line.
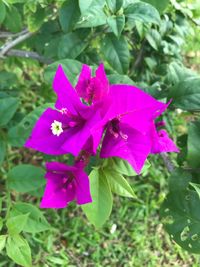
4 35
168 163
9 45
139 56
7 50
29 54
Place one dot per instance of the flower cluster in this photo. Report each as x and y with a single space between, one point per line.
115 120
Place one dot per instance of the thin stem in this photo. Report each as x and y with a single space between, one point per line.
10 44
4 35
29 54
168 163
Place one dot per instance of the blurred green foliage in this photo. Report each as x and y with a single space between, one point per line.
153 44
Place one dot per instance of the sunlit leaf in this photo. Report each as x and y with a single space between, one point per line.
36 222
2 242
118 183
116 24
142 12
18 250
99 210
16 224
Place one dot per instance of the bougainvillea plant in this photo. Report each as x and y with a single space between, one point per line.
95 119
96 142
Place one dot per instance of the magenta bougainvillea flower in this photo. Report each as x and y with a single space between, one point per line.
65 184
127 143
161 142
125 112
70 127
92 89
117 119
130 133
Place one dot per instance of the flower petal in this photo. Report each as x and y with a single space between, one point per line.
79 136
101 83
58 167
66 95
135 149
42 139
162 142
127 98
55 195
83 81
83 195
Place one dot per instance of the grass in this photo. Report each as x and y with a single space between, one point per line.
139 238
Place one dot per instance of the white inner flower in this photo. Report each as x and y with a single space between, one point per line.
56 128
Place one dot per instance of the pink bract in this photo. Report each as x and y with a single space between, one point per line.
65 184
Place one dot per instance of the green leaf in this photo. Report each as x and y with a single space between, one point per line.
70 46
119 79
93 18
28 6
35 20
71 67
24 178
142 12
92 13
2 149
2 242
118 183
18 134
8 80
69 15
99 210
115 5
39 192
13 25
51 50
18 250
123 167
159 5
151 62
186 94
36 222
196 187
154 38
8 107
177 72
16 224
194 144
181 212
1 223
116 52
87 5
179 180
1 201
116 24
14 1
2 12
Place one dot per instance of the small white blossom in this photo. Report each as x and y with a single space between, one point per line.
113 228
56 128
